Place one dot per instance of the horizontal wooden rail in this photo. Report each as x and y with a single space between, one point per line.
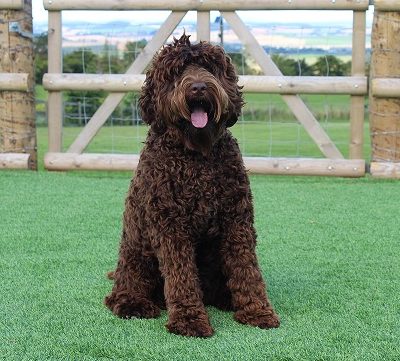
387 5
305 84
11 4
14 160
255 84
14 81
386 87
107 82
206 5
289 166
385 169
306 166
90 161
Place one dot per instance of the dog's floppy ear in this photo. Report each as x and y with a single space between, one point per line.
234 92
166 65
226 73
146 99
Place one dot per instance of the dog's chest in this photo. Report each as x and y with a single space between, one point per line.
199 189
201 184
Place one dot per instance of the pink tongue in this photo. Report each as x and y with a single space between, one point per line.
199 118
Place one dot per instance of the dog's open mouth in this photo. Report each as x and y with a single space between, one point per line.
199 114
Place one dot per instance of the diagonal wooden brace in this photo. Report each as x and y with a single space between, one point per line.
294 102
112 100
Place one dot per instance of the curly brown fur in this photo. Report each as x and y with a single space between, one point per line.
188 238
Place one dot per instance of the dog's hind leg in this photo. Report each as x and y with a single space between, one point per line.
135 280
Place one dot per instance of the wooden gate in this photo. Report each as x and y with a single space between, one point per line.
272 81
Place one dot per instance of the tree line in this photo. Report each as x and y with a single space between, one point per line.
88 61
328 65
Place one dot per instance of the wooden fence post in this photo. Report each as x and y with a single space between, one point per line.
55 101
357 112
385 112
17 108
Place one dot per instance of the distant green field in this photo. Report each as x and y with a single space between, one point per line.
319 103
312 58
255 139
330 40
269 129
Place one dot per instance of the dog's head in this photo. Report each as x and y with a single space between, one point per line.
192 88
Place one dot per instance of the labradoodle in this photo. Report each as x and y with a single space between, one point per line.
188 238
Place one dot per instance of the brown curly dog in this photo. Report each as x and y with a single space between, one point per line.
188 238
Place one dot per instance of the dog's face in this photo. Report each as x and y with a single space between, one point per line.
192 88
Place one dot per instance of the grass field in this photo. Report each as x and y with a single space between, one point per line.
329 249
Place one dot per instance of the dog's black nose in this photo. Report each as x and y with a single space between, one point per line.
198 88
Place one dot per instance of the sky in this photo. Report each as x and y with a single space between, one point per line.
288 16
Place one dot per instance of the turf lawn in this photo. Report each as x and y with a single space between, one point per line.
329 249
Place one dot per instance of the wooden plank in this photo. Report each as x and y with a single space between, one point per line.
55 106
206 5
385 87
14 160
112 100
300 110
86 161
385 169
286 166
306 166
203 25
387 5
304 84
255 84
357 103
88 82
11 4
14 81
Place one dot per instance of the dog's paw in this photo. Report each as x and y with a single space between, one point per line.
195 327
125 308
263 318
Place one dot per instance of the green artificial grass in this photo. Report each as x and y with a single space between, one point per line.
329 250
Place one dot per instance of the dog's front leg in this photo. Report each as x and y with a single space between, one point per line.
186 312
249 297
